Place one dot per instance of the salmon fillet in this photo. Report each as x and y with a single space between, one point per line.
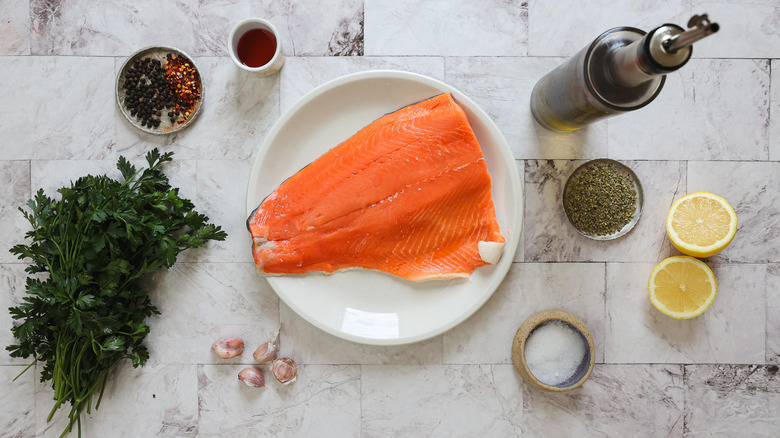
408 195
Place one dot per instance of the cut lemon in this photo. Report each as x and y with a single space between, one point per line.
701 224
682 287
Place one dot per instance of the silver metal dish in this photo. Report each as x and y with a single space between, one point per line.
166 127
636 185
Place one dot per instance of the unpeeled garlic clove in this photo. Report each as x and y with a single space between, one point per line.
266 353
252 376
227 348
285 370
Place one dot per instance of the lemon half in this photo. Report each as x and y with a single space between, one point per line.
701 224
682 287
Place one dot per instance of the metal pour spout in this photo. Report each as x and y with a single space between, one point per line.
700 27
661 51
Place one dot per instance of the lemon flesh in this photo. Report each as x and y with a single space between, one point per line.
682 287
701 224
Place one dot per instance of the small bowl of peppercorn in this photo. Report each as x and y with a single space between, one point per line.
603 199
159 90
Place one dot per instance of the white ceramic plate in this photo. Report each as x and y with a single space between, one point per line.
367 306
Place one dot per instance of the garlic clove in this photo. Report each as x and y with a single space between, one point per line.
266 353
227 348
252 376
285 370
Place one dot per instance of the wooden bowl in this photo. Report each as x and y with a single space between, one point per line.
530 324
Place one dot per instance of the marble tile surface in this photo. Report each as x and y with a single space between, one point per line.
747 29
15 28
731 400
577 288
323 401
751 188
711 109
45 127
574 31
441 400
773 313
618 400
78 28
316 28
774 108
13 194
226 300
732 330
713 128
496 85
18 401
12 282
447 28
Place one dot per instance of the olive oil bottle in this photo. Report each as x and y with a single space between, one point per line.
622 70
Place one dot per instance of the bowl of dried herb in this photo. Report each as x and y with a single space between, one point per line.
603 199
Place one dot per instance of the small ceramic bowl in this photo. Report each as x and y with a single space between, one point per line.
159 53
518 350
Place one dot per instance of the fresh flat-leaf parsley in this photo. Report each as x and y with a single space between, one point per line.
84 310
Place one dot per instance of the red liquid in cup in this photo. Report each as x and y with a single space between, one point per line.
256 47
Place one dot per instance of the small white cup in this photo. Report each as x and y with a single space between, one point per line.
271 67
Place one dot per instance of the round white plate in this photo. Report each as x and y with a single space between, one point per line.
367 306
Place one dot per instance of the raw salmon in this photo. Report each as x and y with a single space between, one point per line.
408 195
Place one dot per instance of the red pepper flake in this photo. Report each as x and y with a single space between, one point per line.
185 84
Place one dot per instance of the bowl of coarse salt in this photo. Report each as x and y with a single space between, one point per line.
553 351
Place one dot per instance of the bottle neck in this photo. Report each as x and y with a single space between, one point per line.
647 58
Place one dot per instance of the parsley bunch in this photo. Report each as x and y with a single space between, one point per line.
84 310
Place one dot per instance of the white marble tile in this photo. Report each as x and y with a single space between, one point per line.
324 401
310 345
116 28
732 400
151 401
154 400
238 110
549 236
15 28
449 28
774 108
502 87
221 186
617 400
520 253
711 109
747 29
51 175
18 401
773 313
44 402
12 283
203 302
302 74
316 28
529 288
441 401
752 189
56 108
564 27
14 193
732 330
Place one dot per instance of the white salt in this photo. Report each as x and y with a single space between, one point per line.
553 352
